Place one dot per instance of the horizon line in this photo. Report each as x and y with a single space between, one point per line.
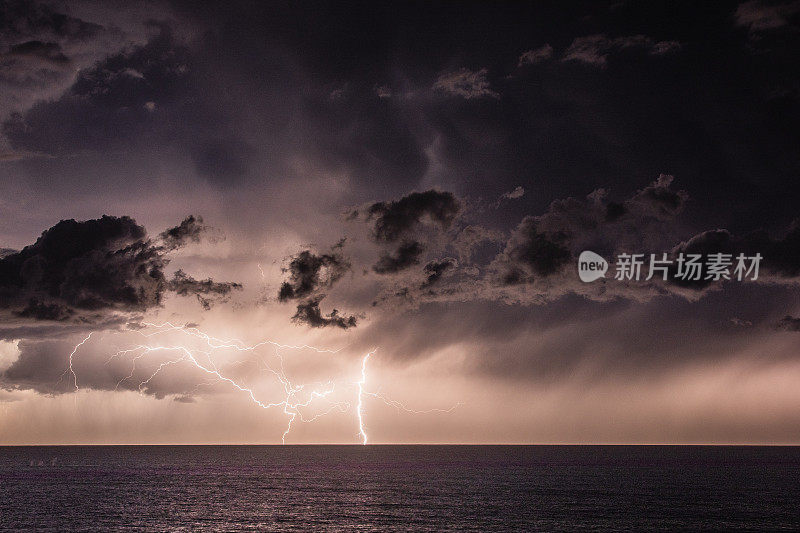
278 445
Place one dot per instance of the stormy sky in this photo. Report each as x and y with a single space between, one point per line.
229 203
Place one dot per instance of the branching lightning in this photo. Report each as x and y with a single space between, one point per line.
69 366
295 398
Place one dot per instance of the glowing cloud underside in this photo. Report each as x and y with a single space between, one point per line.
295 397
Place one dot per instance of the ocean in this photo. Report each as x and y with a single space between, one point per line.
399 488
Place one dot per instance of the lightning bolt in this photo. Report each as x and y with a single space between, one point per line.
295 398
401 407
69 366
362 432
360 408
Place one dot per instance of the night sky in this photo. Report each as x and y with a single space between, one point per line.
416 179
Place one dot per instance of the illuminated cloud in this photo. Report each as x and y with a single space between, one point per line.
594 50
537 55
759 16
465 83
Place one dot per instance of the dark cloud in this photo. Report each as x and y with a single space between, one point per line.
309 272
542 245
42 311
205 290
536 263
545 246
614 211
400 220
42 50
47 52
658 199
363 137
105 106
781 256
77 269
142 97
21 18
397 218
531 254
406 255
516 194
789 323
96 264
309 313
472 237
189 230
436 269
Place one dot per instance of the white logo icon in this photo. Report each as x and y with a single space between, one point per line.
591 266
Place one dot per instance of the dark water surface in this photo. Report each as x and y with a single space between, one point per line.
432 488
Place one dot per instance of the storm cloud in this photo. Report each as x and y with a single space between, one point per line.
204 290
397 218
76 270
435 270
406 255
309 313
143 95
189 230
400 220
309 275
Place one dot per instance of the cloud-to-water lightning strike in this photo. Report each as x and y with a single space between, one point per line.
360 407
362 432
295 397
